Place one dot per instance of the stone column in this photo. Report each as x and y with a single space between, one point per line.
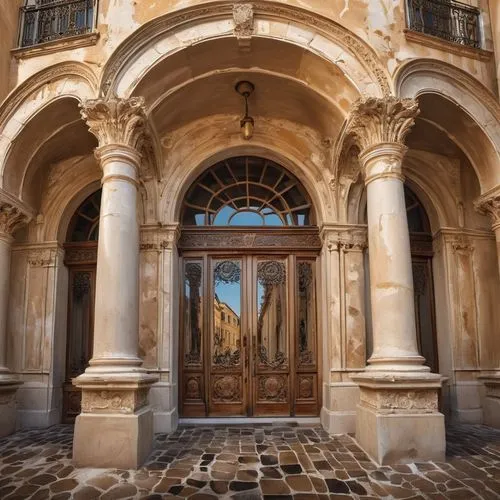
12 216
115 428
489 204
397 417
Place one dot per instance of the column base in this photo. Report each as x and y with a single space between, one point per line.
338 415
8 389
397 419
115 428
491 405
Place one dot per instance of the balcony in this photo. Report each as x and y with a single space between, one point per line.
446 19
43 21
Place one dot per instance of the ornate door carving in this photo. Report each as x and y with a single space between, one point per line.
249 339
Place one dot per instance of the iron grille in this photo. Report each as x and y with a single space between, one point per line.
446 19
46 20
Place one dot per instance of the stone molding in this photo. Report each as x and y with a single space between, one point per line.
13 213
41 254
373 121
116 121
489 204
345 238
363 52
158 238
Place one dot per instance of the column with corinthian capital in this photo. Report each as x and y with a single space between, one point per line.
12 216
115 428
397 417
489 204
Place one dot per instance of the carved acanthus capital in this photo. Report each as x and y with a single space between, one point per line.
385 120
489 204
116 121
13 214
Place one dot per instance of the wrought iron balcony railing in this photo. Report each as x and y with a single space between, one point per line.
46 20
446 19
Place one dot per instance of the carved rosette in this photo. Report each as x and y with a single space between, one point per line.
114 401
414 401
272 388
116 121
490 205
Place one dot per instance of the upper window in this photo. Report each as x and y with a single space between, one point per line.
47 20
447 19
246 191
418 222
84 225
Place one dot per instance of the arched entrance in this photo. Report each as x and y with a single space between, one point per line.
248 320
81 260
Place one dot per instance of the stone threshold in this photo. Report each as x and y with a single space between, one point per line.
250 420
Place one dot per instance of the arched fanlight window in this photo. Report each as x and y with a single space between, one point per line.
246 191
418 222
84 225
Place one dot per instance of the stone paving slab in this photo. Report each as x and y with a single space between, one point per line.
247 462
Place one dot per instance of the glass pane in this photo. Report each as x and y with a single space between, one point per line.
226 343
193 312
272 313
306 315
80 324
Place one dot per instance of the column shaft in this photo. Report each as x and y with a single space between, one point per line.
117 281
392 297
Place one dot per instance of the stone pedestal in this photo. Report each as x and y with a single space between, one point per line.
491 404
8 389
397 418
115 428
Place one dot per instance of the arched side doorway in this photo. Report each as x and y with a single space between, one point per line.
81 260
248 312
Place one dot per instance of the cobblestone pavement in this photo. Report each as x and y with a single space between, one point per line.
250 462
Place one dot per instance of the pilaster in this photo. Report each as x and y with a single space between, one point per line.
12 216
397 416
344 323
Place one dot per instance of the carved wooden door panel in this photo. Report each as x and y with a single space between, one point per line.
272 318
228 360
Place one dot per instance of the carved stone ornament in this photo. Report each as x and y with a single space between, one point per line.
421 401
115 120
243 24
490 205
12 216
114 401
43 257
381 120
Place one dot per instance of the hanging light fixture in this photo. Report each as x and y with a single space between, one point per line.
245 89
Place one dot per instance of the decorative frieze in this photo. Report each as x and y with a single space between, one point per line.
42 257
114 401
13 214
400 400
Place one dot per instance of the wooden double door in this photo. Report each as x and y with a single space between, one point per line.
249 343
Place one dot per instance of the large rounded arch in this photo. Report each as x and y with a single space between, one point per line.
171 33
455 103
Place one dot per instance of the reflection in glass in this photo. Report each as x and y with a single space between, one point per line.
80 324
227 312
272 313
306 312
192 312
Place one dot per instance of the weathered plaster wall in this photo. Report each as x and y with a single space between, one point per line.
9 27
